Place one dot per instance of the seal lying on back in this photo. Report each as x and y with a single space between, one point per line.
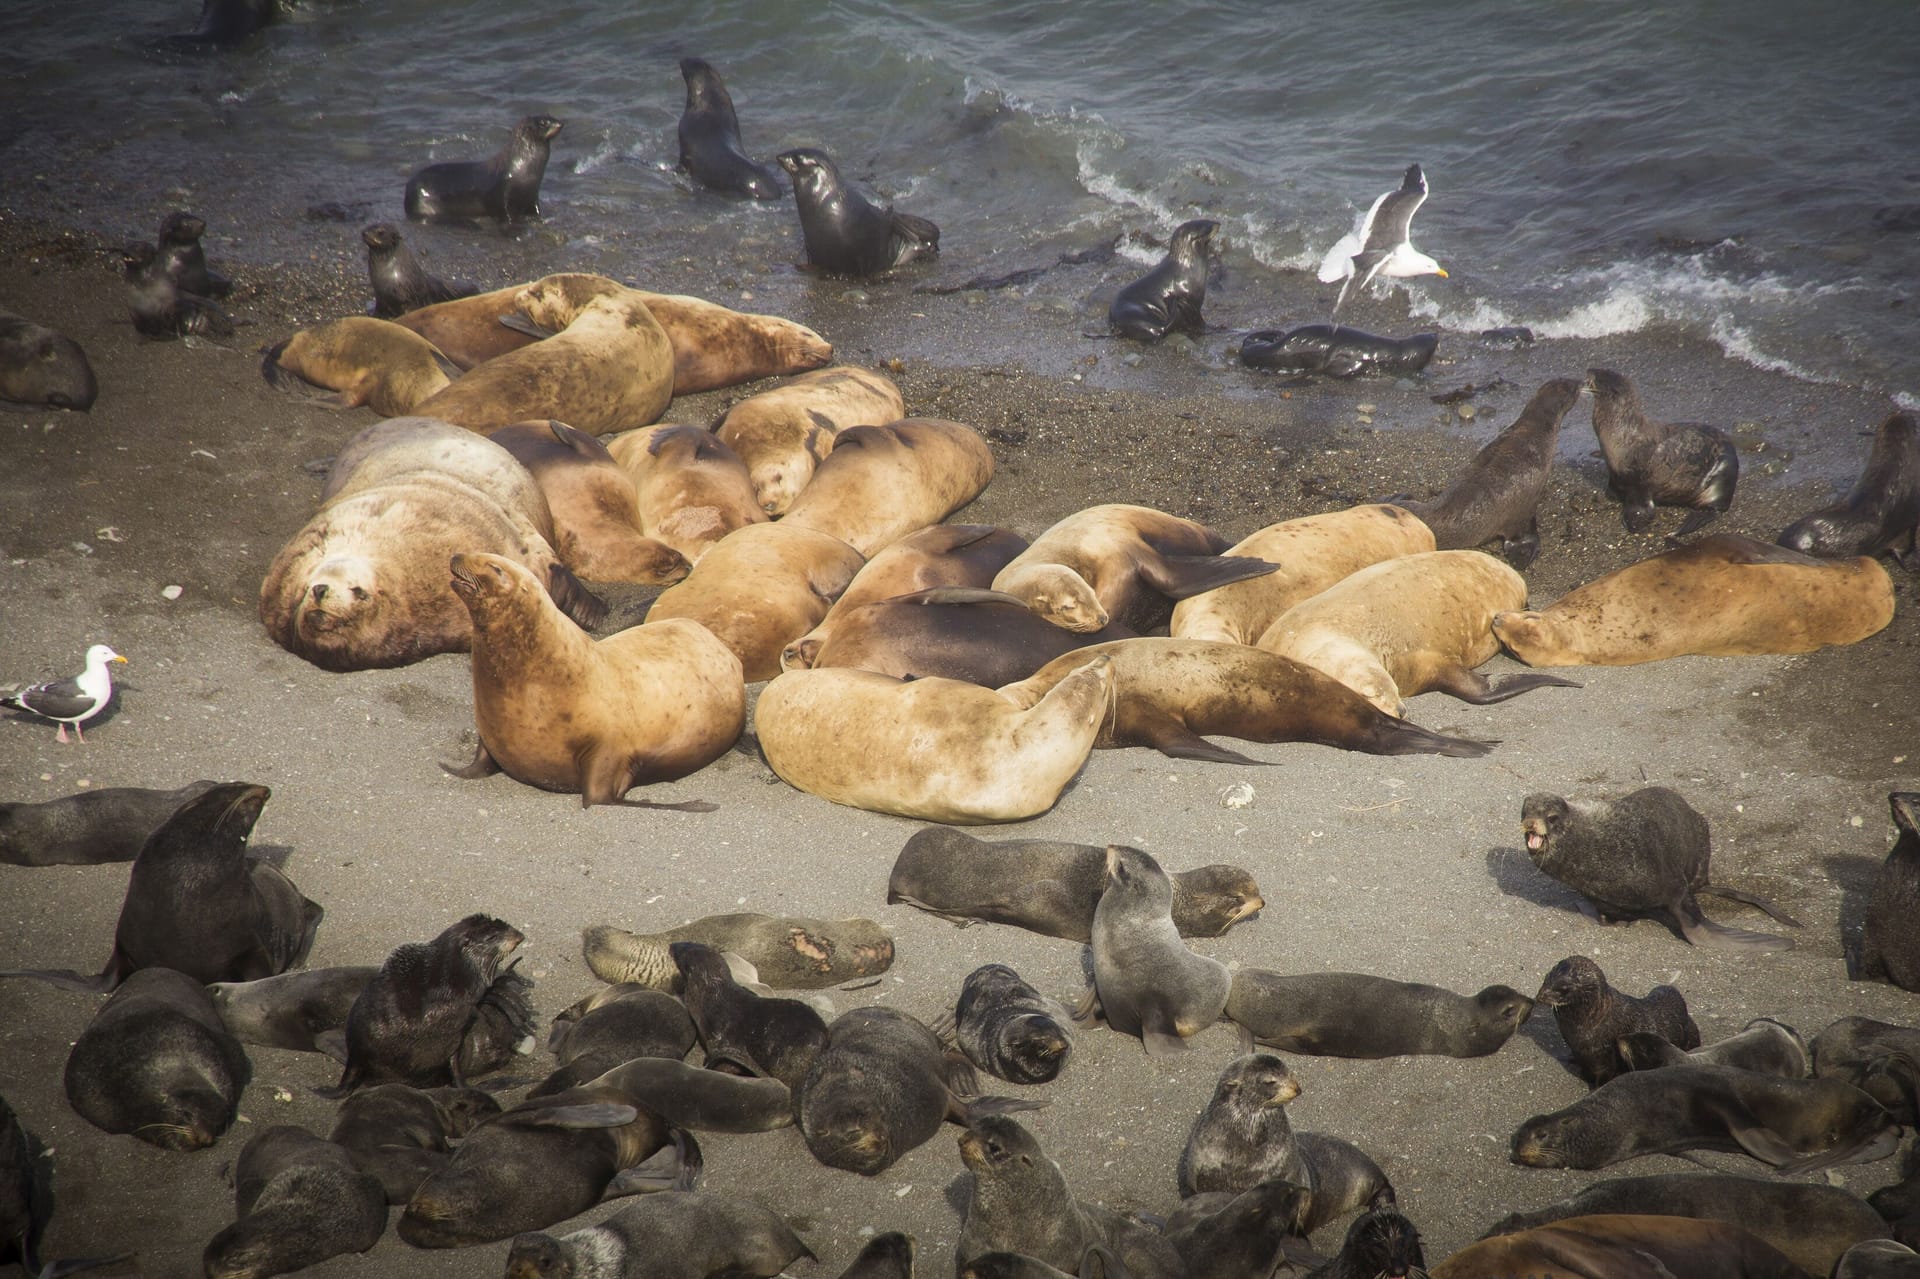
299 1200
1592 1016
41 368
1009 1029
1889 942
710 149
1624 1247
1168 298
363 361
89 827
681 1236
596 521
1881 512
787 953
846 233
1358 1015
1336 350
1653 464
783 434
400 283
182 258
505 187
1145 980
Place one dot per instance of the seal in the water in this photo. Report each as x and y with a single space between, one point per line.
846 233
184 260
682 1236
400 283
881 483
783 434
1882 510
1336 350
400 1133
293 1010
89 827
161 308
1764 1046
710 149
299 1200
362 361
227 21
1653 464
593 503
689 489
1890 942
1644 855
788 953
156 1062
1009 1029
1592 1016
774 1038
1359 1015
505 187
1168 298
42 368
1145 980
613 1025
1624 1245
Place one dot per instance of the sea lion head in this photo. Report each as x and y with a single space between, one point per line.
1135 876
181 227
553 301
1208 900
812 171
490 585
1257 1082
1572 981
845 1129
459 1109
1608 385
1542 818
699 962
484 941
995 1142
537 131
705 89
191 1117
1058 594
1530 636
1192 240
1546 1141
540 1256
381 237
1383 1244
1506 1010
1037 1048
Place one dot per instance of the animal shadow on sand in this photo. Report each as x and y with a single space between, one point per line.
1853 875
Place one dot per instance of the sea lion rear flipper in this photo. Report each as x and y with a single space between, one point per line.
1181 577
281 378
961 1079
1752 899
959 595
481 765
1403 737
946 1029
587 1114
573 597
576 439
1704 932
965 1112
1472 686
453 371
901 899
675 1167
1521 551
333 1043
1176 741
100 983
1088 1011
1163 1043
520 322
918 229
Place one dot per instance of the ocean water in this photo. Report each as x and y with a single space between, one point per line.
1710 169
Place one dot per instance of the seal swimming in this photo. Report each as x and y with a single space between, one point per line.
505 187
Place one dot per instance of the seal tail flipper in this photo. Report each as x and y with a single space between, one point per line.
1472 686
481 765
573 598
918 231
1704 932
1401 737
1754 900
1176 741
977 1107
1182 576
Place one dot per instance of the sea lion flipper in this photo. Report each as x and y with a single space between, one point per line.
969 1111
957 920
1181 577
576 439
482 765
67 979
1163 1043
333 1043
946 1029
675 1167
1754 900
1704 932
1176 741
573 598
596 1114
1473 687
960 595
520 322
1088 1011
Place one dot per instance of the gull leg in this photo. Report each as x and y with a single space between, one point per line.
63 733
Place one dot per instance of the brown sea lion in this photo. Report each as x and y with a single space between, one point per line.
1883 509
363 361
955 632
788 953
783 434
559 710
690 487
881 483
1653 464
1592 1016
1722 596
1360 1015
596 519
1623 1247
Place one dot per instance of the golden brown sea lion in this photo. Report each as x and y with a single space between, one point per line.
881 483
362 361
782 434
595 517
1623 1247
691 488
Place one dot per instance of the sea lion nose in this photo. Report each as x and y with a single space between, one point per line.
319 592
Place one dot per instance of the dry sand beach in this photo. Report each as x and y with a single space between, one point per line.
190 471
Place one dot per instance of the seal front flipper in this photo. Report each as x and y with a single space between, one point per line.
1182 576
482 765
573 598
1176 741
1472 686
1088 1011
1700 518
1163 1043
519 322
675 1167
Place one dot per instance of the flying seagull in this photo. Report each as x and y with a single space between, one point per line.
70 701
1379 245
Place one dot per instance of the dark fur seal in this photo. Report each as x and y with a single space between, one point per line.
1890 941
1049 886
1231 1236
1168 298
788 953
886 1256
1009 1029
1592 1016
952 632
156 1062
400 283
292 1010
612 1026
1380 1244
227 22
683 1236
1336 350
89 827
1624 1247
710 149
1764 1046
1653 464
26 1202
1878 1259
1857 1049
299 1200
774 1038
400 1134
161 308
846 233
1881 512
42 368
1145 980
1498 495
700 1100
1359 1015
184 261
1644 855
505 187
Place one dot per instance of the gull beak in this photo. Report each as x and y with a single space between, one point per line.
1442 272
118 658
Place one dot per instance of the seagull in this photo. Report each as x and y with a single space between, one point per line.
69 701
1379 245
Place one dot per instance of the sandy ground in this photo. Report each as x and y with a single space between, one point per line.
191 472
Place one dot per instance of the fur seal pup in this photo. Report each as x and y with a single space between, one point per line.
1592 1016
954 632
881 483
1860 1051
1722 596
772 1038
886 1256
292 1010
783 434
615 1024
1359 1015
883 1085
710 149
690 490
681 1236
1881 511
42 368
1647 854
1168 298
1313 553
1221 1235
505 187
1050 887
1009 1029
156 1062
1409 625
1889 946
696 1099
1336 350
1380 1244
1120 563
1145 980
596 518
1653 464
184 260
399 1134
788 953
845 233
89 827
400 283
1878 1259
298 1201
936 749
161 308
1764 1046
1624 1247
363 361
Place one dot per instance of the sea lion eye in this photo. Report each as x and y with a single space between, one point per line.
360 592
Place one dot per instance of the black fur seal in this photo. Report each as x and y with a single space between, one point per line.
770 1037
400 1134
1168 298
1145 980
299 1200
26 1202
42 368
1221 1235
1336 350
700 1100
293 1010
1856 1049
227 22
1653 464
89 827
1764 1046
1644 855
1881 512
1359 1015
157 1063
400 283
1009 1029
1890 942
611 1026
1878 1259
506 187
886 1256
184 261
1381 1244
1592 1016
683 1236
710 149
161 308
846 233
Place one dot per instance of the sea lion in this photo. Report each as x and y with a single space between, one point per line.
681 1236
1409 625
1653 464
156 1062
1380 1244
299 1200
1009 1029
690 489
1498 494
1120 563
881 483
1722 596
1168 298
1889 945
1878 1259
596 518
42 368
1145 980
783 434
1764 1046
89 827
1313 553
615 1024
773 1038
161 308
399 1134
1592 1016
1222 1235
1624 1247
292 1010
845 233
1647 854
955 632
505 187
1050 887
788 953
1359 1015
710 149
1336 350
400 283
936 749
184 260
363 361
1881 511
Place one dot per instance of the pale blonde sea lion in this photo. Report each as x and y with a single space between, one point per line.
361 360
881 483
596 518
782 434
691 488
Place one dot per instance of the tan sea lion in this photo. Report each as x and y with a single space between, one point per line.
782 434
556 709
1722 596
786 952
362 361
596 518
881 483
1407 626
931 748
760 588
691 488
1313 553
1623 1247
